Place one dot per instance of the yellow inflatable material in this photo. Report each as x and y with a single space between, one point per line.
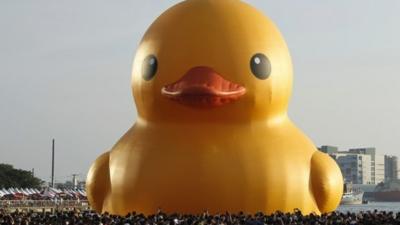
211 81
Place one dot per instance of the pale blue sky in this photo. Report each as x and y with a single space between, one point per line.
65 73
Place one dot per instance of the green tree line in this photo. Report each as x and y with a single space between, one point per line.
17 178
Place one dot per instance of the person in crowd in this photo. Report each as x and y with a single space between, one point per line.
76 217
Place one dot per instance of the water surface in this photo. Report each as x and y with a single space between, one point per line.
380 206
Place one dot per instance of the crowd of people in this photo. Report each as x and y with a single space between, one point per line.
76 217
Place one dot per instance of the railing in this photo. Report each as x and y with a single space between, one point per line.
59 204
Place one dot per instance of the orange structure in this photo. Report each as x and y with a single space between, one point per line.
212 81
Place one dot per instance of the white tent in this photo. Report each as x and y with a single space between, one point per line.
24 192
33 191
11 191
55 190
5 191
29 190
83 193
48 193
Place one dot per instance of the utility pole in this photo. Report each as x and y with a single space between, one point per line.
52 165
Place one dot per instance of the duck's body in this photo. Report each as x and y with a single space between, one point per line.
213 132
214 171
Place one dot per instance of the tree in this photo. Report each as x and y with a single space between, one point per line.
17 178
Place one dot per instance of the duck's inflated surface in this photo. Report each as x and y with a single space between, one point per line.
211 81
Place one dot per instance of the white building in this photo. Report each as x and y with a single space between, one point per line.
377 163
379 169
356 168
359 165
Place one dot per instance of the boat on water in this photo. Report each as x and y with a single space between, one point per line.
351 196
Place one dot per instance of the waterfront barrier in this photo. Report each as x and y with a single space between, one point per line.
55 204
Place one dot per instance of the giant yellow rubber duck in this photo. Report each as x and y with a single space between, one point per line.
211 80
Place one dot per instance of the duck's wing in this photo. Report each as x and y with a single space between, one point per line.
98 182
326 182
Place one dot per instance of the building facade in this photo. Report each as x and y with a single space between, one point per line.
356 168
392 169
329 149
359 165
377 163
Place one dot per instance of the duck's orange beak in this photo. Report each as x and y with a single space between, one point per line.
204 87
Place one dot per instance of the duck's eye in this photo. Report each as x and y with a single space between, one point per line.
260 66
149 67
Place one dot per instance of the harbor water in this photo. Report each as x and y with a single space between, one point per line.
371 206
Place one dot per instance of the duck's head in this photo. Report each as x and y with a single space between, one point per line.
212 60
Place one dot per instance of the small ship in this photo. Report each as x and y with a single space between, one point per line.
351 196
